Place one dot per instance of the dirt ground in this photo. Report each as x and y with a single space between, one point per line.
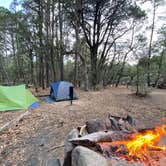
29 142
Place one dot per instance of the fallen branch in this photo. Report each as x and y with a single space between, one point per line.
14 121
56 147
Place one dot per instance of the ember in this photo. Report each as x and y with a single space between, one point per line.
139 146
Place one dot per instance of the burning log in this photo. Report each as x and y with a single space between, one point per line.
139 147
102 136
92 140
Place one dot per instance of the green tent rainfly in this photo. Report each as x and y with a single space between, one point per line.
16 97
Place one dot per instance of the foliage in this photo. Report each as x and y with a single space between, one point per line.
87 42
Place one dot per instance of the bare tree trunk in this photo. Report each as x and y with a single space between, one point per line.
82 55
94 75
31 65
52 42
85 73
76 55
86 79
14 52
76 23
48 43
3 71
41 56
150 44
61 41
47 71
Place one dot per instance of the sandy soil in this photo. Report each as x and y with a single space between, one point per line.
29 142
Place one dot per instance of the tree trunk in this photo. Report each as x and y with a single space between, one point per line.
3 71
86 79
41 56
61 42
52 43
14 53
84 66
48 43
150 45
31 66
94 76
76 55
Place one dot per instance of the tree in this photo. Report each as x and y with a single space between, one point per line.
99 21
161 45
155 4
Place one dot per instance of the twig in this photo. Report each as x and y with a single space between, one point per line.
56 147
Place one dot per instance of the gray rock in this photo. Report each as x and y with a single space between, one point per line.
95 125
69 146
82 156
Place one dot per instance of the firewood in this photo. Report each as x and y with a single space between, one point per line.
83 130
103 136
93 137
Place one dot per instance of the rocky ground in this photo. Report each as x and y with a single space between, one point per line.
34 139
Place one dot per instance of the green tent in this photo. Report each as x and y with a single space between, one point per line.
16 97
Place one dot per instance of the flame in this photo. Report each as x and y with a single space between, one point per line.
141 144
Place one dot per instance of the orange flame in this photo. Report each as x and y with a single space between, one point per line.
142 143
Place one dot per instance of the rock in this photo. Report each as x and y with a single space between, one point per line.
95 125
69 146
139 125
82 156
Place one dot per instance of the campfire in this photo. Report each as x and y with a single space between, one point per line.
139 147
122 138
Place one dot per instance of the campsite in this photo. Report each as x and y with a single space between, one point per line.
82 83
47 126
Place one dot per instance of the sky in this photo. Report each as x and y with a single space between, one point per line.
5 3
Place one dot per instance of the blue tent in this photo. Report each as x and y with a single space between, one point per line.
60 91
